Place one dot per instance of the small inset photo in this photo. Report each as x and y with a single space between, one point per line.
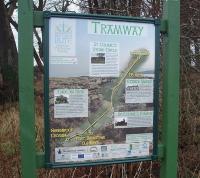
61 99
120 122
98 58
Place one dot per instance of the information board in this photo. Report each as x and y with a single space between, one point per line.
101 89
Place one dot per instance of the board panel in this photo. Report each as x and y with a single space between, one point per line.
101 89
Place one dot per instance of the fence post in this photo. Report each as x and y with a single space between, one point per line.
26 89
171 89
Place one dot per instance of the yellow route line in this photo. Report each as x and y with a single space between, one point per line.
114 90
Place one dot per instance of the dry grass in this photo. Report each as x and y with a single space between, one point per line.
9 142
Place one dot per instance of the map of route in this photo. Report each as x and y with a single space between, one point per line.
137 57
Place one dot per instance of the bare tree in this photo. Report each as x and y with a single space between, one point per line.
8 52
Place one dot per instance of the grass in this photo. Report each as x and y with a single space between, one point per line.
9 142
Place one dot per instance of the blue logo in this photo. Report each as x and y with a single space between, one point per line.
80 155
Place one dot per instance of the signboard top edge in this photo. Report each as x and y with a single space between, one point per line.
48 14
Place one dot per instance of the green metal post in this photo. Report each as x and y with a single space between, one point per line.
171 89
26 89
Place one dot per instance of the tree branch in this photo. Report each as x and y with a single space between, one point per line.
12 6
38 60
39 42
40 6
13 23
36 56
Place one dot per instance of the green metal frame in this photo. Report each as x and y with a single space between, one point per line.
26 89
46 91
167 151
156 23
171 89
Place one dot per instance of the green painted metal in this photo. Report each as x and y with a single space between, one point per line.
156 89
38 19
160 151
26 89
46 91
85 164
163 26
40 160
171 89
